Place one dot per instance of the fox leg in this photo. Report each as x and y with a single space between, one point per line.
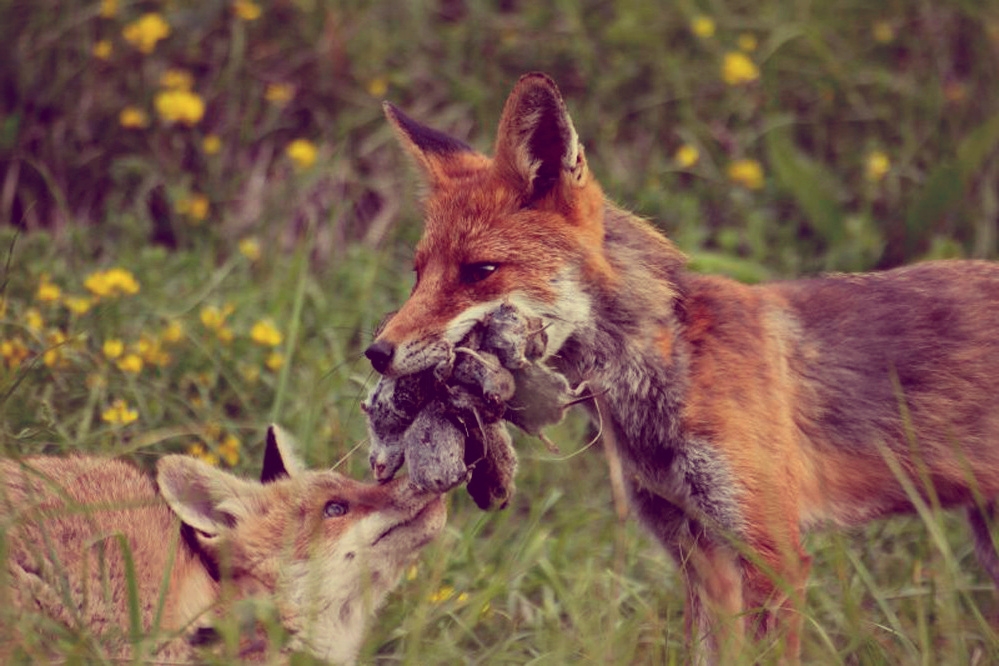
714 607
775 573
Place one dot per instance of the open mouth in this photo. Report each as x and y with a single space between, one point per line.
416 518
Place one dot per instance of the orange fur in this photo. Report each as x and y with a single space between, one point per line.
743 414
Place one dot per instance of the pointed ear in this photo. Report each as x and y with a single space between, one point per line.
280 455
537 147
434 151
206 498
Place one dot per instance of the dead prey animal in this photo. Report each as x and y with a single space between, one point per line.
447 422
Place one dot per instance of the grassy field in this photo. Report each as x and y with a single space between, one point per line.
205 216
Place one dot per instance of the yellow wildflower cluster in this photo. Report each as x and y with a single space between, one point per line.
687 156
877 166
13 352
246 10
274 361
746 172
226 446
195 207
33 320
78 304
302 152
703 26
145 32
250 248
112 282
102 50
214 319
279 93
176 79
445 593
47 292
109 8
211 144
199 451
55 355
119 413
265 333
132 117
378 86
738 69
179 106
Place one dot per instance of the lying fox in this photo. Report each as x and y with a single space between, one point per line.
326 548
743 414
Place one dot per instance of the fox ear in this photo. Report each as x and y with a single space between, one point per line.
433 151
537 146
280 457
206 498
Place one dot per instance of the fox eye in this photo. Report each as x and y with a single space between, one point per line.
477 272
335 509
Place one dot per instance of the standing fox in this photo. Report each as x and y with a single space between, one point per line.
742 414
326 548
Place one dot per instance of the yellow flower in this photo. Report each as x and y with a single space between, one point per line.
279 93
146 31
53 356
13 352
77 304
109 8
737 69
102 50
703 26
212 144
876 166
199 451
747 42
133 118
748 173
687 155
33 319
150 350
119 413
302 152
131 363
174 332
250 248
246 10
195 207
229 450
112 282
442 595
265 334
213 317
113 348
177 79
47 292
378 86
412 572
274 361
883 32
179 106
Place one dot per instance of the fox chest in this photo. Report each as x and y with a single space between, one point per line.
672 476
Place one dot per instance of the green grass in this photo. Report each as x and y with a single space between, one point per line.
556 578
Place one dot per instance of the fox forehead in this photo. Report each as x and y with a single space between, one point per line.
484 220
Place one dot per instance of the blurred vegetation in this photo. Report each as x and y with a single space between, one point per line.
205 217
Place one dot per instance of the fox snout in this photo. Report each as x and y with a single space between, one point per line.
380 354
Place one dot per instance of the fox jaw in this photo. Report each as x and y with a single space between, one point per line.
523 227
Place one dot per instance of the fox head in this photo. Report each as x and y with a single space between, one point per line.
524 226
328 548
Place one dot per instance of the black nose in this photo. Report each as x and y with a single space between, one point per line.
380 354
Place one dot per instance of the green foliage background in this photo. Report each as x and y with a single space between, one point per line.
555 579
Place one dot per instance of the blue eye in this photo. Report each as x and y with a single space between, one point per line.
334 509
477 272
